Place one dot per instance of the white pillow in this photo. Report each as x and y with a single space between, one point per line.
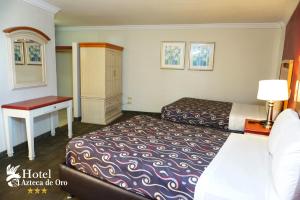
286 162
280 126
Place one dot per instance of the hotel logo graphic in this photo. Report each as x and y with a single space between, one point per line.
30 178
12 177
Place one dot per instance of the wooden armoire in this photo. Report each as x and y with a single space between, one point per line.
101 82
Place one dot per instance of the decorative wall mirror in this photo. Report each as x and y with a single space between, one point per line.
27 56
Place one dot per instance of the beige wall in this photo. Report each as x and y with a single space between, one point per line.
243 56
64 73
64 80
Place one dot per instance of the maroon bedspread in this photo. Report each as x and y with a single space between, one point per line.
201 112
155 158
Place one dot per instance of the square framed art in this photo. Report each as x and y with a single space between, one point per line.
19 53
172 55
202 56
33 53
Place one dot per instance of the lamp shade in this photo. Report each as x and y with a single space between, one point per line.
273 90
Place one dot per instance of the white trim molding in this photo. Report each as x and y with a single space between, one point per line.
43 5
275 25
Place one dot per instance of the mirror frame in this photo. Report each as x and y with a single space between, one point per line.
31 34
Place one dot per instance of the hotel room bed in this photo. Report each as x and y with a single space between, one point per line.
153 158
146 158
231 175
216 114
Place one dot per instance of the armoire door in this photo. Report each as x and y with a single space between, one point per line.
92 67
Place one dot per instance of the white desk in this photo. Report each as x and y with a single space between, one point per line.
31 109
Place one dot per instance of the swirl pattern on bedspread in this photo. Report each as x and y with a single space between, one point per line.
154 158
202 112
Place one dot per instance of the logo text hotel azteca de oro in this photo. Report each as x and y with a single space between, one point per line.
27 177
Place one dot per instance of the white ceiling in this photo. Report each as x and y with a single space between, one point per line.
143 12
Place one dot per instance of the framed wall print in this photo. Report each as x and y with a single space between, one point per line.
19 53
172 55
33 53
202 56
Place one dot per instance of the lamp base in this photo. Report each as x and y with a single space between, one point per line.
268 124
265 124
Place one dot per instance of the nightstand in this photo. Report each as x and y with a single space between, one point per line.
255 127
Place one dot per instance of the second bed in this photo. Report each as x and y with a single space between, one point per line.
216 114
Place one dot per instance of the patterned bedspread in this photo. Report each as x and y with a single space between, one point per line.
154 158
192 111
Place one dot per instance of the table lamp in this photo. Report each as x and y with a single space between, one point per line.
270 91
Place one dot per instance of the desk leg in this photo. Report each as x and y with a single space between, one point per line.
52 116
30 137
70 116
7 129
